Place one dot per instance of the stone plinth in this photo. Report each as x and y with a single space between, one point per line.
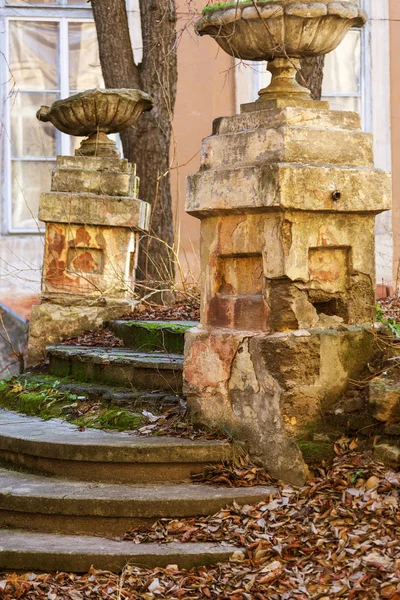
287 195
93 218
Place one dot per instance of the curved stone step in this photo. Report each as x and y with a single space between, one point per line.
147 336
26 551
120 366
61 449
38 503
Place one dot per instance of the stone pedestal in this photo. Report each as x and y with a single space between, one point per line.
93 218
287 195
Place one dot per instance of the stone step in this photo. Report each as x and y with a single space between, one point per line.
48 552
119 366
38 503
61 449
147 336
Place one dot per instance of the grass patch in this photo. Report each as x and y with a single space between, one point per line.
390 322
45 399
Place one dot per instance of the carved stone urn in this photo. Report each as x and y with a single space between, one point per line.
95 113
281 32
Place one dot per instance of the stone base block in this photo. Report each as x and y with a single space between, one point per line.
267 389
52 323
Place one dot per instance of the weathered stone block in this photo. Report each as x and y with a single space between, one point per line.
93 182
384 398
86 261
277 272
96 163
260 105
310 118
388 454
287 186
264 389
51 323
111 211
290 145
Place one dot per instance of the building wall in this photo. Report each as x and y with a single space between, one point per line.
206 90
395 128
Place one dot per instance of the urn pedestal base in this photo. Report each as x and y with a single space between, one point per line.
267 390
93 221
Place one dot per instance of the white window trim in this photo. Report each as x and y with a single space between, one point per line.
379 84
63 20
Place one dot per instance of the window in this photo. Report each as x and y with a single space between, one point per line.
344 76
49 56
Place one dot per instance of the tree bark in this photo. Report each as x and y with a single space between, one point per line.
311 75
147 143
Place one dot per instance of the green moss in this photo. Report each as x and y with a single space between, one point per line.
44 398
231 3
29 402
316 452
120 419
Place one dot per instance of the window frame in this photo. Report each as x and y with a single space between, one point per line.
63 15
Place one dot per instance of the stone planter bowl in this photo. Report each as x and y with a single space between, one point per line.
95 113
281 28
106 111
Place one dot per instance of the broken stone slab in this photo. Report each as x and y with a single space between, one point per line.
77 554
384 398
287 186
37 503
288 145
165 336
266 389
51 323
58 448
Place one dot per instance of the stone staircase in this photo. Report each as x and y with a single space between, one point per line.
64 493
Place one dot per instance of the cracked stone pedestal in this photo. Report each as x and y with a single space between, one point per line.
287 195
93 218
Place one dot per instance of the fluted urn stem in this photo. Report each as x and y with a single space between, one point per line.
284 83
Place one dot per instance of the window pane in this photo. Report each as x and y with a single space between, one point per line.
29 180
28 2
344 103
33 55
84 62
84 3
342 71
29 137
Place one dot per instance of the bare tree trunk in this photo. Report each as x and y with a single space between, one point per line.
311 75
147 143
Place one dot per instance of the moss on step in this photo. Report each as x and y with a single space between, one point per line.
145 336
116 418
316 452
43 397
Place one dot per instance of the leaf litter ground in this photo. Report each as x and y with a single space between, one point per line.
337 537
